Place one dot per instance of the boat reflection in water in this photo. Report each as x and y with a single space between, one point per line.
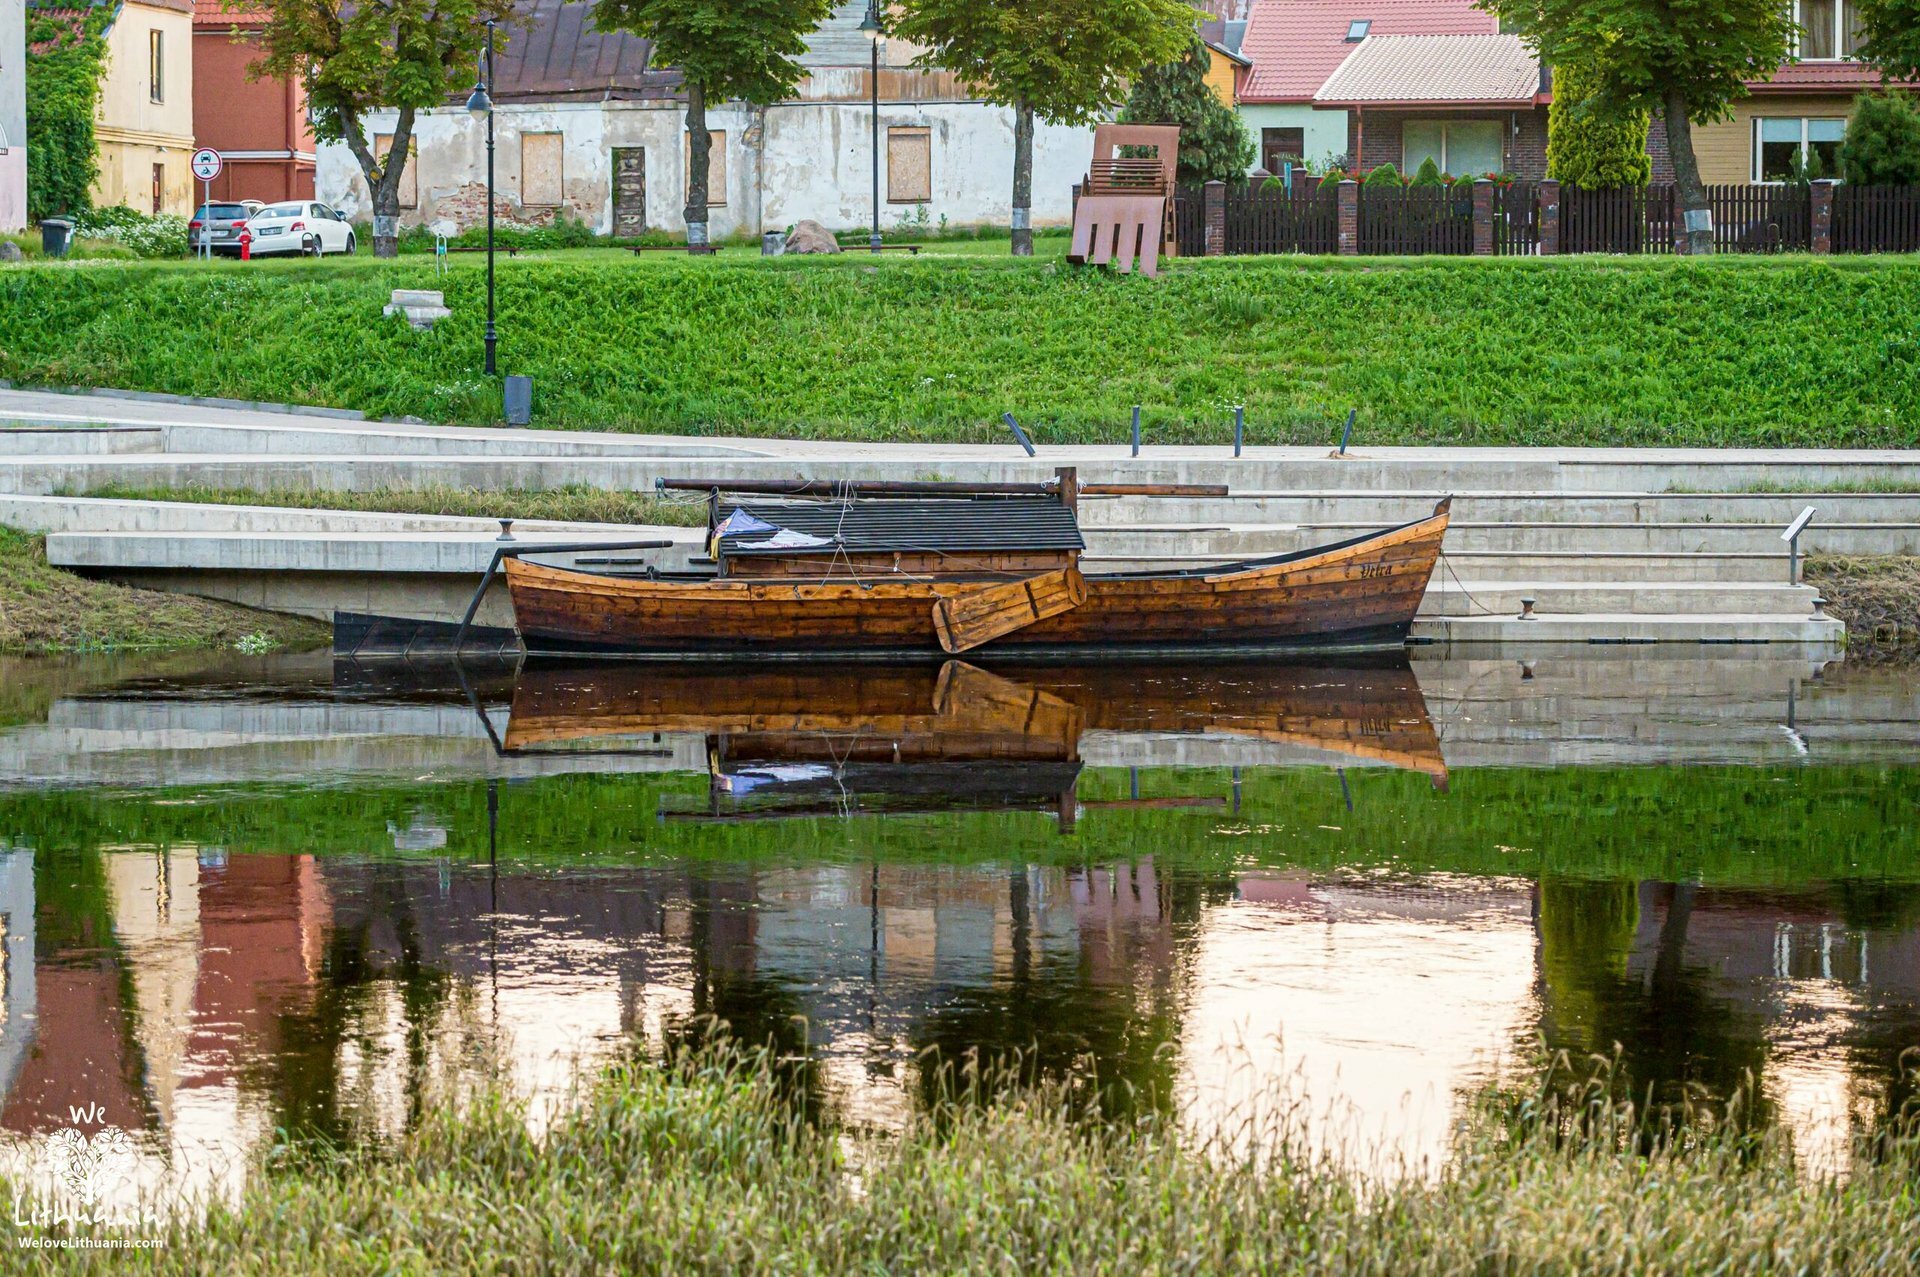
951 737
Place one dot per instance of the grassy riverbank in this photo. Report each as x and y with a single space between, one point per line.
572 504
1878 596
45 610
1782 351
707 1168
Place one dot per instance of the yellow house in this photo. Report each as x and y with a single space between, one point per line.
1225 69
143 128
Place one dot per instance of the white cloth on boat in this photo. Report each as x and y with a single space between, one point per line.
788 539
742 523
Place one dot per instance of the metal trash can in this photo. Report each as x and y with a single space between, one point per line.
56 236
519 401
773 244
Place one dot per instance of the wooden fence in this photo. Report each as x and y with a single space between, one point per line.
1252 219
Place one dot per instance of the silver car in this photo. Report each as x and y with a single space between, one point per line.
218 225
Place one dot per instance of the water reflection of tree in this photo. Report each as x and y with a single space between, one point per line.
1110 1035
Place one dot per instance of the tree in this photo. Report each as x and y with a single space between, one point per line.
1688 59
1882 142
1385 175
724 50
1890 36
1214 144
1588 145
369 55
1428 174
1065 61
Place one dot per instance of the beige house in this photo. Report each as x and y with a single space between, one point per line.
144 127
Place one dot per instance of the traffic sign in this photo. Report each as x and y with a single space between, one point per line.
206 164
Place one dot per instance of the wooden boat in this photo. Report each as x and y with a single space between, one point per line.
934 567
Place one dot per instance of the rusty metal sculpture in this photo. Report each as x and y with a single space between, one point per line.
1125 208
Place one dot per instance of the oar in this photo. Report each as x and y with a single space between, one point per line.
965 621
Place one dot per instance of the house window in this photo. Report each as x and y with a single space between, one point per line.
155 81
1829 29
540 169
909 166
1278 147
409 180
159 187
716 167
1781 143
1357 29
1461 148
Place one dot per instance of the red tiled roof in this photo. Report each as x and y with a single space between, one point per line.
1820 77
223 14
554 52
1423 70
1296 44
68 20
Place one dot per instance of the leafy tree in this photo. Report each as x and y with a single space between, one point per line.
1882 142
725 50
1588 145
1890 36
63 92
1385 175
1688 59
403 55
1065 61
1214 144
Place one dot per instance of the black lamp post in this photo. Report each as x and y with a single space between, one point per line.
480 106
871 25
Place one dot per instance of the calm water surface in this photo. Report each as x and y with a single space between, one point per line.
279 894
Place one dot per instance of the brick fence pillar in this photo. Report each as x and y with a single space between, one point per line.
1213 203
1348 204
1822 216
1549 195
1483 217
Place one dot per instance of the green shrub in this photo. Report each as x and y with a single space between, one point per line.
1588 145
1333 178
1428 174
162 235
1385 175
63 93
1882 142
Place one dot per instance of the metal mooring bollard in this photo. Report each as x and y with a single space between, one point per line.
506 530
1526 610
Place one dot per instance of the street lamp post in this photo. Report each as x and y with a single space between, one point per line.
871 25
480 106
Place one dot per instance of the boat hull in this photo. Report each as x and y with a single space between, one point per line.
1357 595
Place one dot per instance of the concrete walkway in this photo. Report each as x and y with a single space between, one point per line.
1613 545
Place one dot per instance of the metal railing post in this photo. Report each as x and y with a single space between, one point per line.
1136 430
1792 537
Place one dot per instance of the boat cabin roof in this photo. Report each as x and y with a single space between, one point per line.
965 526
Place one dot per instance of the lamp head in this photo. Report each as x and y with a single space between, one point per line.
479 105
870 24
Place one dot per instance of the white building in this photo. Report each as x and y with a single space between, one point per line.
585 126
13 115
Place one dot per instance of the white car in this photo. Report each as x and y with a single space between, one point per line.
299 226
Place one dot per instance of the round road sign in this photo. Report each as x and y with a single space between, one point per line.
206 164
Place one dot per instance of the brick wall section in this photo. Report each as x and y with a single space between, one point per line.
1822 198
1213 205
1483 218
1657 150
1374 137
1347 204
1548 193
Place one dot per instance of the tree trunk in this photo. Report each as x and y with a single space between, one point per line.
699 156
1022 180
383 177
1690 190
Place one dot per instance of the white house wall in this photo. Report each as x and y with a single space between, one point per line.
784 163
1325 129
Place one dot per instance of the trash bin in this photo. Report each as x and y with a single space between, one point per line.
519 400
56 235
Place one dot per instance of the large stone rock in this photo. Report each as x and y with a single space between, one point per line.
809 236
9 251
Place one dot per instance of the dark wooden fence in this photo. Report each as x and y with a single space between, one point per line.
1416 219
1419 219
1264 220
1876 219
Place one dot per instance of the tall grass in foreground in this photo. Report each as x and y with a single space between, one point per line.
706 1166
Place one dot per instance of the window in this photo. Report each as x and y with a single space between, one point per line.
1460 148
1781 144
155 79
1278 147
909 166
409 180
1358 28
1829 29
540 169
716 167
159 186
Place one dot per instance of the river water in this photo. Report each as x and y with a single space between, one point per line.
278 894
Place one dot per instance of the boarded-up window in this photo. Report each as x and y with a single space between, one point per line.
909 166
716 167
409 180
540 168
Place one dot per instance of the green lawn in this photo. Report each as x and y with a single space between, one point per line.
1759 351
